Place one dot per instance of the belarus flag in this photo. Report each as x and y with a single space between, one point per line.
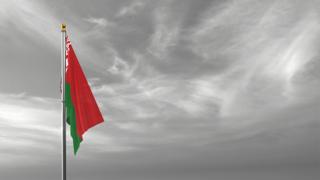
82 111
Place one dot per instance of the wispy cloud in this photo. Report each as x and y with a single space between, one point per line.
100 22
28 124
32 18
165 34
263 65
32 126
130 9
219 84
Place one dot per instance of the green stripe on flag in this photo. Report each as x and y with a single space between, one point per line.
71 118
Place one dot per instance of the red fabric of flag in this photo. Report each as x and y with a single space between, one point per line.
87 113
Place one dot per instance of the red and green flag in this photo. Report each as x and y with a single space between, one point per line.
82 111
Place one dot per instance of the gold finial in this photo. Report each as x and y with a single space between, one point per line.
63 27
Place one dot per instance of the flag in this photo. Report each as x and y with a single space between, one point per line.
82 111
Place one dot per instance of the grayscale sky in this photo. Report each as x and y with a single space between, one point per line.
189 89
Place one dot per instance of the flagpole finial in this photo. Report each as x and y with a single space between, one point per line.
63 27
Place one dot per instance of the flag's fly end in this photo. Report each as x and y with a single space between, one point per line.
63 27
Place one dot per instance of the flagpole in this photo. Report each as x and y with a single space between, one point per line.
63 73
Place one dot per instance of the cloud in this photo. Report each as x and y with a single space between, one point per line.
262 64
183 86
130 9
32 18
29 124
165 34
32 127
119 66
101 22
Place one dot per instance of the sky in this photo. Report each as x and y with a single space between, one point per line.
192 90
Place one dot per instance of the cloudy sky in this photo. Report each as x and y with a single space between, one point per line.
189 89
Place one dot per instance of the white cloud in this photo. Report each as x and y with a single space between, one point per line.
32 126
165 34
101 22
131 9
29 124
246 101
32 18
264 53
119 67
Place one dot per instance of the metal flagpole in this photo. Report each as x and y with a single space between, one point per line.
63 73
